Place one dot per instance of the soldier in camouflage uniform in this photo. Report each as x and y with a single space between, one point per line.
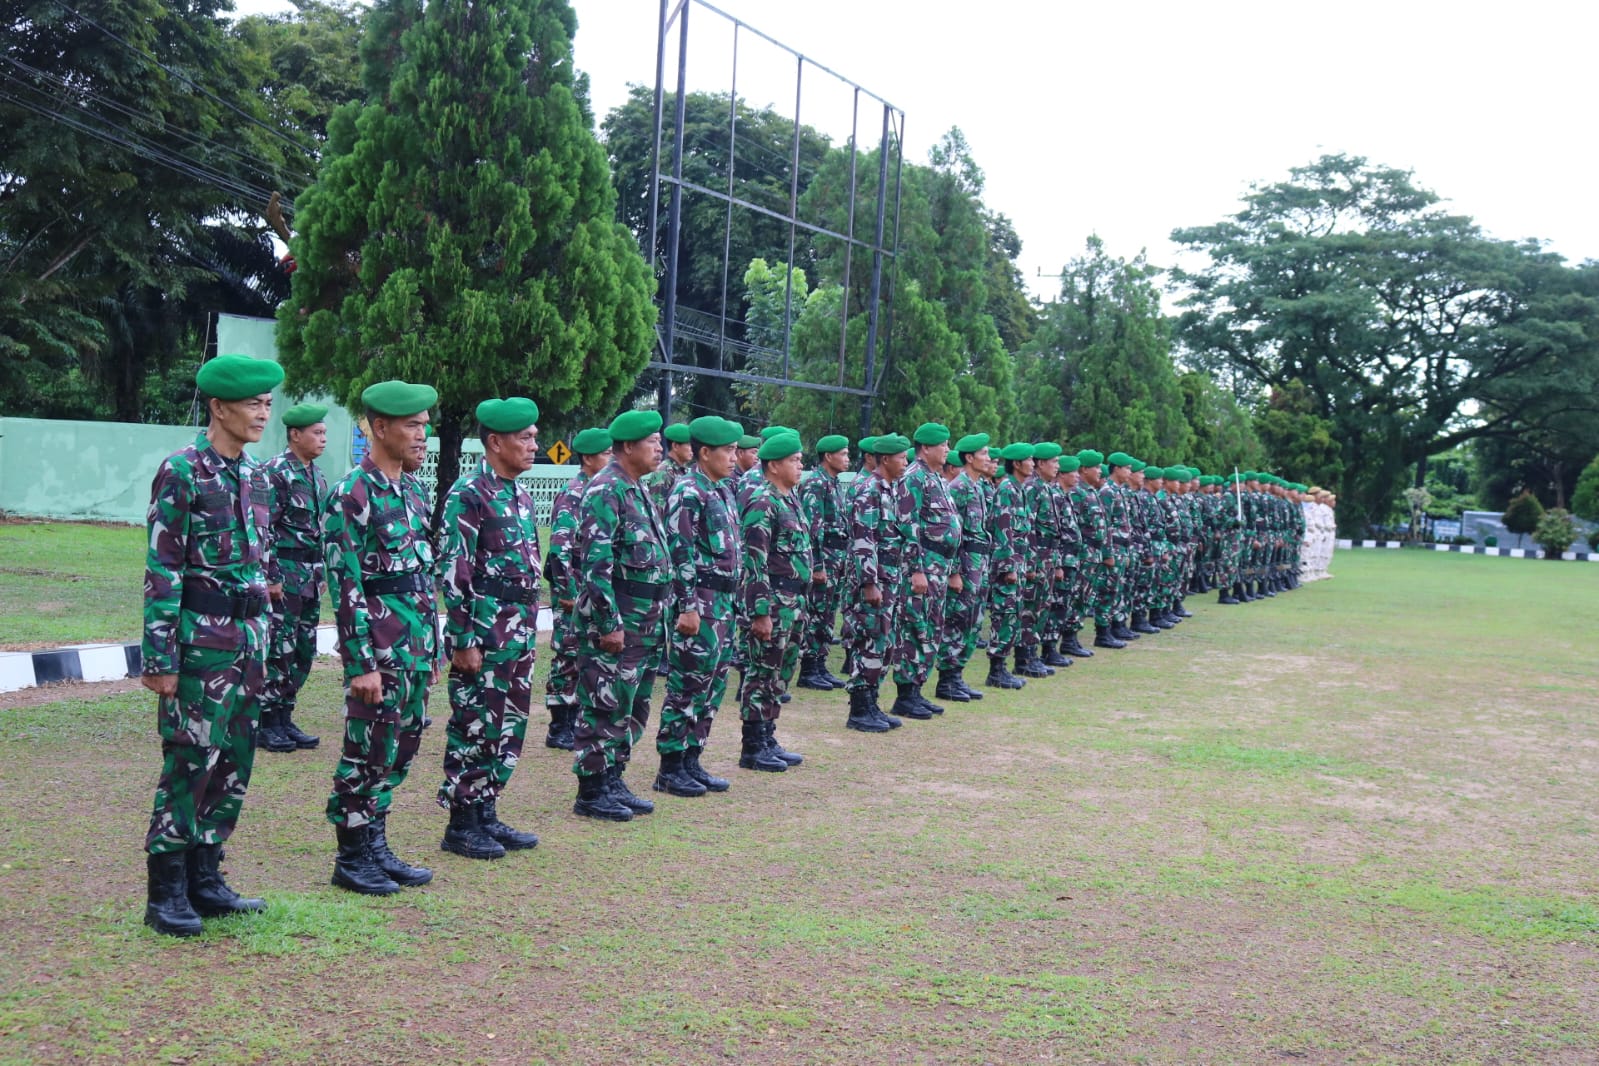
1229 567
972 563
821 497
1080 559
380 565
675 464
620 549
1039 593
592 447
702 536
776 568
489 562
882 526
1096 520
1012 531
205 633
298 495
933 557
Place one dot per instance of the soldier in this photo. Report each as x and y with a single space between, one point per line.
1038 588
676 463
298 496
489 560
882 526
1077 558
747 456
593 450
205 633
1012 532
620 550
1127 538
1095 520
777 575
380 564
959 640
821 498
933 558
702 535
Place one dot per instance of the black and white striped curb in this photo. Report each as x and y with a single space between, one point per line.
1471 549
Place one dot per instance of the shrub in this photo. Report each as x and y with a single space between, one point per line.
1490 541
1521 517
1593 539
1556 532
1585 500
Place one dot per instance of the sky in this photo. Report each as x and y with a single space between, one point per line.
1130 120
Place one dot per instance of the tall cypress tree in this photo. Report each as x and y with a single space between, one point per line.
462 230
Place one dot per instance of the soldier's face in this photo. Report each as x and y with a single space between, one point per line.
718 462
593 464
1023 468
681 454
404 440
1070 479
890 467
639 457
516 451
1048 468
785 473
979 462
836 462
245 420
934 454
309 442
1091 474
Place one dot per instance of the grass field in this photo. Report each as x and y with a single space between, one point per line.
1351 824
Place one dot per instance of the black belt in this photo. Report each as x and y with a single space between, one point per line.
393 586
835 540
791 585
251 604
640 590
507 591
981 547
888 555
298 555
706 579
937 548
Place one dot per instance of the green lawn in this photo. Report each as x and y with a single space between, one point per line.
1350 824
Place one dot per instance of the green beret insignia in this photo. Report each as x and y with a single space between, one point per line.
634 425
507 416
304 414
592 441
238 377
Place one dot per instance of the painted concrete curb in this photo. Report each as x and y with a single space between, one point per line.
1471 549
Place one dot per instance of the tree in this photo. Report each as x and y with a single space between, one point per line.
1224 438
1298 443
1522 516
774 299
461 231
1396 315
1585 500
1555 532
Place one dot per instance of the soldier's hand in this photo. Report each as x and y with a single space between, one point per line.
276 592
467 660
761 628
165 685
1060 574
1010 578
818 576
956 583
919 583
612 642
872 594
368 688
688 623
567 605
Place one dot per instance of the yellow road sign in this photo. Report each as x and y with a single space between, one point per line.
559 453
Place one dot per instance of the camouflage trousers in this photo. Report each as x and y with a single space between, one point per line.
697 679
1065 606
1036 594
613 699
921 627
488 720
291 646
769 664
1228 549
1099 583
821 610
207 747
1125 569
962 611
1004 614
869 634
560 682
380 740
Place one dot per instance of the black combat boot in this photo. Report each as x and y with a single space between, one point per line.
1228 595
674 777
209 894
691 765
624 795
949 687
1140 623
755 755
999 677
269 734
1105 637
1158 619
1074 647
355 869
1122 630
502 834
1051 656
559 735
594 799
167 909
302 740
907 706
860 713
1027 665
927 703
398 870
465 835
793 758
960 682
1270 585
821 672
809 677
877 709
1178 610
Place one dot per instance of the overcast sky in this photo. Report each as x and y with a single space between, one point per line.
1129 120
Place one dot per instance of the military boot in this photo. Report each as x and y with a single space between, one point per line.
691 766
1122 631
270 733
1105 637
167 909
302 740
559 734
502 834
793 758
465 836
927 703
1028 666
1073 646
1140 623
209 894
355 869
1051 656
594 800
907 706
821 672
1159 620
949 687
624 795
960 682
877 710
674 777
398 870
808 676
860 713
1228 595
999 677
1180 611
755 755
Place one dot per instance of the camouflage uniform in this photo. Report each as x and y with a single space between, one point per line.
973 562
560 681
489 562
1065 606
821 497
620 550
1013 554
381 565
882 528
933 553
777 574
205 620
1096 572
298 495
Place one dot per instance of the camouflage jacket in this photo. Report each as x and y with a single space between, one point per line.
620 553
1045 538
704 542
489 561
563 527
1071 538
377 531
882 526
977 538
207 533
297 500
777 551
1016 552
1124 531
821 498
1093 524
936 518
660 481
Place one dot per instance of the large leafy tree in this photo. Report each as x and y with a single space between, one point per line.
1397 316
462 229
1299 444
1224 437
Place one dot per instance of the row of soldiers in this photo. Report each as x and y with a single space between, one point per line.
726 553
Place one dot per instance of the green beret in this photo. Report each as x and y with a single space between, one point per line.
931 433
711 430
1046 450
304 414
972 442
772 431
833 442
1069 463
1014 452
634 425
677 432
780 446
892 444
507 416
1154 473
1249 475
238 377
1194 472
1089 457
1120 459
748 441
398 399
592 441
865 445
